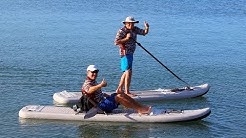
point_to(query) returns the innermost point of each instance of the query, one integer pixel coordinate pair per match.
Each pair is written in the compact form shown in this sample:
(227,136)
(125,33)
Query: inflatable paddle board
(66,97)
(118,115)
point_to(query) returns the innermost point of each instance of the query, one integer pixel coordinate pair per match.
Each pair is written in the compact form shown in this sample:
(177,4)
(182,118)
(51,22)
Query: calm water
(46,46)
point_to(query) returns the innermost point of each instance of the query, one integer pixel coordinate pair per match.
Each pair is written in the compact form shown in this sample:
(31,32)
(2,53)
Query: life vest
(86,101)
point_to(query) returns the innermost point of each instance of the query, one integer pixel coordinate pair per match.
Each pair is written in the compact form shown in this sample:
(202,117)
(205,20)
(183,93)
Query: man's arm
(123,40)
(93,89)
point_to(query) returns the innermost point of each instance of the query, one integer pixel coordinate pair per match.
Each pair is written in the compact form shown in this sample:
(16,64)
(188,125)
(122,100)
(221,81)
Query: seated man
(106,102)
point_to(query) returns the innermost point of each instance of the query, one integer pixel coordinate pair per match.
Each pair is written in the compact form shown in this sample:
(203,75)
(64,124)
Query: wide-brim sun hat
(130,19)
(92,68)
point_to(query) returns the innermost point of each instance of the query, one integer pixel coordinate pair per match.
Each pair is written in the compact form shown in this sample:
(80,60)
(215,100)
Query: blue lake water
(45,47)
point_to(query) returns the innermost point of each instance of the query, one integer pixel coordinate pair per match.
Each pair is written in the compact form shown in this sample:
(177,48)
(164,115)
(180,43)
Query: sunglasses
(95,71)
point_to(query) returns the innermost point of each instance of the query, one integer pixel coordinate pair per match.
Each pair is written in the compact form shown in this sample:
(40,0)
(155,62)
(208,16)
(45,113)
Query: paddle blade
(92,112)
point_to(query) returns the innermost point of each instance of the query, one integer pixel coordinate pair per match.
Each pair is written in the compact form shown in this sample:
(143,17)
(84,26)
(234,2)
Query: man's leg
(122,82)
(128,78)
(124,65)
(128,102)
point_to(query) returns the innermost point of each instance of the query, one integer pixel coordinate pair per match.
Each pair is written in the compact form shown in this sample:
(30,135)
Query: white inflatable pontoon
(65,97)
(118,115)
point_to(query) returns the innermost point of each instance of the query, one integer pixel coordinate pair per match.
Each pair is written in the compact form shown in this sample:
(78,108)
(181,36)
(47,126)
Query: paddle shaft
(93,111)
(160,62)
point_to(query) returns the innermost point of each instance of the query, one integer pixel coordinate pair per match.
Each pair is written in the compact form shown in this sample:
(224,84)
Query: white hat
(92,68)
(130,19)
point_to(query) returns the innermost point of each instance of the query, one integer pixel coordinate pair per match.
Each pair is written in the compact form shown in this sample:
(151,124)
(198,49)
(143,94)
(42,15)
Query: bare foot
(118,91)
(131,94)
(147,110)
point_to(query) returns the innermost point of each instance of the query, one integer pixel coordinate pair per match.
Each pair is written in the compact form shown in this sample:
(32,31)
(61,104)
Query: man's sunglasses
(95,71)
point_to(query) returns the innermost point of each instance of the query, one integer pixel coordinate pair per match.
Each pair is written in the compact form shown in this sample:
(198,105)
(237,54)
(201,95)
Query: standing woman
(125,39)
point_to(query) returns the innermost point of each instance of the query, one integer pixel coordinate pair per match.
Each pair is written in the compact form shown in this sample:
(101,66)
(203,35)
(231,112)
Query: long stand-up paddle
(160,63)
